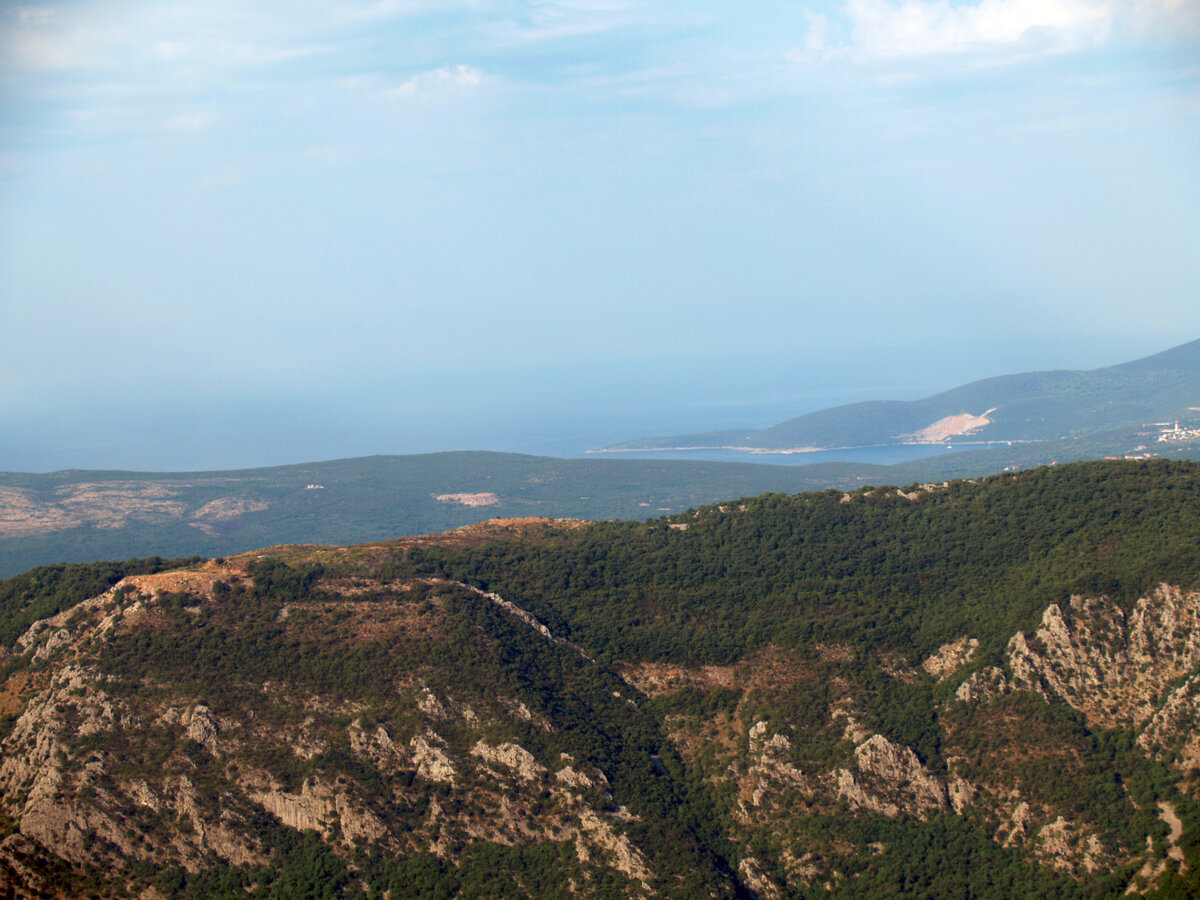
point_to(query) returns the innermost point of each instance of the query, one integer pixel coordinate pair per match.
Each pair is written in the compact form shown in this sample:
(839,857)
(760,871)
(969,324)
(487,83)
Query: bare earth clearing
(112,505)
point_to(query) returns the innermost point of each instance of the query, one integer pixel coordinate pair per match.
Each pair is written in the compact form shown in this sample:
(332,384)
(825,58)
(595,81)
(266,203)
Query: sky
(244,234)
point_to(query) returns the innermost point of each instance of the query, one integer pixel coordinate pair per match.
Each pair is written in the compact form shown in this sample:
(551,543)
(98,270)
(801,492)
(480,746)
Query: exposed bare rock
(429,704)
(1111,667)
(950,657)
(202,729)
(890,780)
(93,808)
(571,778)
(769,768)
(525,616)
(377,746)
(852,730)
(50,635)
(197,583)
(141,794)
(431,759)
(230,845)
(1057,842)
(598,834)
(984,685)
(512,756)
(219,835)
(24,873)
(960,793)
(1175,726)
(806,869)
(300,811)
(1071,848)
(755,876)
(1015,829)
(109,762)
(319,807)
(1154,867)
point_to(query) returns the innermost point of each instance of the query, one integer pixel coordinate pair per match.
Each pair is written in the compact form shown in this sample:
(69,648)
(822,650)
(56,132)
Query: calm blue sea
(883,456)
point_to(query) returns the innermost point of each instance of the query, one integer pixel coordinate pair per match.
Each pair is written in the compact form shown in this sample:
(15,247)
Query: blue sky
(431,225)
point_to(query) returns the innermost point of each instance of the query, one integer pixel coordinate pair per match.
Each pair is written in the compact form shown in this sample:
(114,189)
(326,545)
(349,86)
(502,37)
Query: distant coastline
(713,447)
(793,450)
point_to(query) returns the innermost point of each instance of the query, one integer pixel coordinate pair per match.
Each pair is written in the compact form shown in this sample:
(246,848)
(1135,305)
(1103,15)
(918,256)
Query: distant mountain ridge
(1031,406)
(1049,418)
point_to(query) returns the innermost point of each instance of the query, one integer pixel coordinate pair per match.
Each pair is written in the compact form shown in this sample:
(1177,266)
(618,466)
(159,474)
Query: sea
(883,455)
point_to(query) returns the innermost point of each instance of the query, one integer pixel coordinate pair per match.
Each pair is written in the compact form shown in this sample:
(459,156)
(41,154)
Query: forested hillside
(975,689)
(87,516)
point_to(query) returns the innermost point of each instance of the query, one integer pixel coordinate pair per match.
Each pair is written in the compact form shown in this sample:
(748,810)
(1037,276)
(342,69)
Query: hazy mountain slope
(989,689)
(81,516)
(1033,406)
(84,516)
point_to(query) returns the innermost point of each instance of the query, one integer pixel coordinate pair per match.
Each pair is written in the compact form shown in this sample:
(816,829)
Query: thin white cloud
(394,9)
(551,20)
(914,29)
(990,30)
(439,82)
(382,9)
(817,38)
(220,50)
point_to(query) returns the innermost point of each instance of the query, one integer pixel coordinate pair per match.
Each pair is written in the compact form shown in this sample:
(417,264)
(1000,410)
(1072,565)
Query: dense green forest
(886,569)
(81,516)
(84,516)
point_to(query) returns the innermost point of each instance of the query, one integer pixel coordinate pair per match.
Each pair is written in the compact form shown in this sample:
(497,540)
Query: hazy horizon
(235,236)
(560,412)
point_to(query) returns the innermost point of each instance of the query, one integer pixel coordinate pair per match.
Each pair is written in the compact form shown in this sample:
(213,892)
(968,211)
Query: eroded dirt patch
(654,679)
(223,511)
(22,513)
(10,694)
(485,498)
(112,505)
